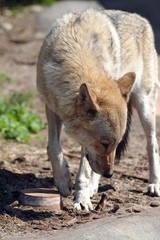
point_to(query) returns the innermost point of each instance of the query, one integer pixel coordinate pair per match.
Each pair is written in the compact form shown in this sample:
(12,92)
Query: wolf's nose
(108,174)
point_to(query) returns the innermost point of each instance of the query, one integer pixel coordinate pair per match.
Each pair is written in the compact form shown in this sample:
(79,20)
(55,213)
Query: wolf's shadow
(10,185)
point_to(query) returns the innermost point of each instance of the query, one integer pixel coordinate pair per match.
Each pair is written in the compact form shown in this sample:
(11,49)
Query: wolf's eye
(91,113)
(105,145)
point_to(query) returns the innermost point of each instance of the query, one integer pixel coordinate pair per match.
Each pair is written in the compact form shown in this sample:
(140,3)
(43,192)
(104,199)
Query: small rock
(19,160)
(37,222)
(39,35)
(135,208)
(155,204)
(36,8)
(7,26)
(114,209)
(1,163)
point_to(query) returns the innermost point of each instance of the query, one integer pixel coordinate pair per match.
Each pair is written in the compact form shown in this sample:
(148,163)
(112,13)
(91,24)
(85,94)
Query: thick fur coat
(91,67)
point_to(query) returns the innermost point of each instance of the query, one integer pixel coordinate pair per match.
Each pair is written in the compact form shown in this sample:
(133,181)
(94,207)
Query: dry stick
(71,155)
(101,203)
(22,62)
(144,179)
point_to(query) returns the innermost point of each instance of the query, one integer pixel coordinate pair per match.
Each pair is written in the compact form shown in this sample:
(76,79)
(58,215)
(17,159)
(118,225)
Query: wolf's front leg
(86,185)
(145,105)
(154,180)
(60,166)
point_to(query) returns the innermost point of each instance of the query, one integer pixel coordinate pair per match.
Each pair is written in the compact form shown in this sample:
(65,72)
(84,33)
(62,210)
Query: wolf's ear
(87,100)
(125,84)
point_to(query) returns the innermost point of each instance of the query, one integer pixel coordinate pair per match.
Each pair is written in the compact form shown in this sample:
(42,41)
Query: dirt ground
(26,165)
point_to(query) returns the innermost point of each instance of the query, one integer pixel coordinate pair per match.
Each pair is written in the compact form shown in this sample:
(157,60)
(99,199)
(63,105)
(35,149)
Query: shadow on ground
(11,183)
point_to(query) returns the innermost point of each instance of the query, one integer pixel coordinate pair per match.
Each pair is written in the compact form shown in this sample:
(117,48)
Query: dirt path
(26,165)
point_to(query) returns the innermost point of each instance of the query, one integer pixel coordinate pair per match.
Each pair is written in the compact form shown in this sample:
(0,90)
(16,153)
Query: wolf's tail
(124,142)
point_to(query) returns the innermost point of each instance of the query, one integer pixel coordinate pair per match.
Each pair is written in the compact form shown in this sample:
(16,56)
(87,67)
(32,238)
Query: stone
(140,226)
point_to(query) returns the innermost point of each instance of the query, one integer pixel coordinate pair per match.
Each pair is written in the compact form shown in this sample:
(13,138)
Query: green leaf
(16,121)
(3,105)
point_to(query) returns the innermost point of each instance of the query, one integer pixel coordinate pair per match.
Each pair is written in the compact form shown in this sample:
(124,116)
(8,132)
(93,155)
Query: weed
(4,77)
(16,120)
(45,2)
(15,3)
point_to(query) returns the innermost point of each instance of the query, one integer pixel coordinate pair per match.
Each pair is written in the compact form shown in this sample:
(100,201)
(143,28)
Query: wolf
(93,68)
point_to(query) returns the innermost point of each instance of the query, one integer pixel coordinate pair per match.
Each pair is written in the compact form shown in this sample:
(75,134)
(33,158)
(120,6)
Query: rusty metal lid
(41,197)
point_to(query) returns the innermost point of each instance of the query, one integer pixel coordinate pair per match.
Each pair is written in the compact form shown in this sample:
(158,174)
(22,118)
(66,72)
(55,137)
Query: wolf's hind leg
(146,108)
(86,185)
(60,167)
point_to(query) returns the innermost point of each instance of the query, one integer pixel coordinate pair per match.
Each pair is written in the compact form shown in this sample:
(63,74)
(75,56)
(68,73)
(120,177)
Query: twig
(144,179)
(130,175)
(24,62)
(71,155)
(101,203)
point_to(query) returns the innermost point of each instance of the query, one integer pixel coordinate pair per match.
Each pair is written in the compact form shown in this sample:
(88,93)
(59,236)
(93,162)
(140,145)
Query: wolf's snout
(107,174)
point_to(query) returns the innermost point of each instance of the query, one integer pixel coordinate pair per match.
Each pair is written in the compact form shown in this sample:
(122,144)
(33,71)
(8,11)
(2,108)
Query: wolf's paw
(83,205)
(83,201)
(64,185)
(154,189)
(62,177)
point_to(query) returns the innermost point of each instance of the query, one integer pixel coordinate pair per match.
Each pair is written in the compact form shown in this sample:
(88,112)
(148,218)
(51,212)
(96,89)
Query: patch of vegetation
(4,77)
(14,3)
(45,2)
(16,120)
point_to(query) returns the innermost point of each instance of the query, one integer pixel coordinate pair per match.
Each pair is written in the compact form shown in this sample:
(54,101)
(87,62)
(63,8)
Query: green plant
(15,3)
(16,120)
(45,2)
(4,77)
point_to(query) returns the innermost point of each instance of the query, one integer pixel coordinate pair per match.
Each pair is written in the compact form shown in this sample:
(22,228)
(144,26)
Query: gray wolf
(93,68)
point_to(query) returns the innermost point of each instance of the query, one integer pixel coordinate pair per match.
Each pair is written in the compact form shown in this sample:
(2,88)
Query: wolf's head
(100,123)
